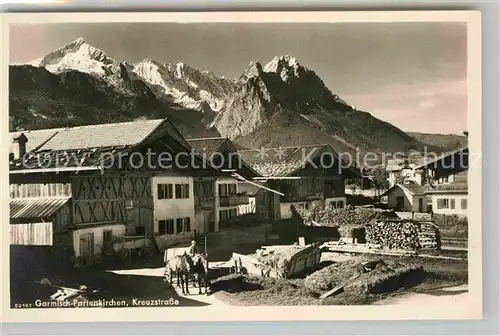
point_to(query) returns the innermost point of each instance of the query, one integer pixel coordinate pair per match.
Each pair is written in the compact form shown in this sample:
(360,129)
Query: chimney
(21,140)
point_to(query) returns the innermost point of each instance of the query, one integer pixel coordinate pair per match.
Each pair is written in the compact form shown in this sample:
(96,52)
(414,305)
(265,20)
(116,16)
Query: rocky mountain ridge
(280,103)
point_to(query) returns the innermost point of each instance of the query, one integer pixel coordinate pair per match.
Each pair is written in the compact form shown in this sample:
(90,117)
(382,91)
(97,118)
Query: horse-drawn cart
(280,261)
(185,267)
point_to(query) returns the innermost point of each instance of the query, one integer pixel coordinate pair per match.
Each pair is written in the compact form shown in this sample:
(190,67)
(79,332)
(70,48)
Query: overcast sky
(412,75)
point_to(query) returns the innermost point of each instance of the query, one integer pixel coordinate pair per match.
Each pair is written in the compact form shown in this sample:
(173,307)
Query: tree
(379,176)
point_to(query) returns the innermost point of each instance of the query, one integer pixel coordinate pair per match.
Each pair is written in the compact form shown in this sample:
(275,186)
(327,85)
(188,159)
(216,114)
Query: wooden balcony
(204,203)
(234,200)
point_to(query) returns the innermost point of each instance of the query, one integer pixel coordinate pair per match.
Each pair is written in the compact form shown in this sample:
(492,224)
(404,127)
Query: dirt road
(449,296)
(158,273)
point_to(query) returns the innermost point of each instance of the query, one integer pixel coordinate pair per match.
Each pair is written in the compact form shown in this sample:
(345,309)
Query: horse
(179,266)
(199,268)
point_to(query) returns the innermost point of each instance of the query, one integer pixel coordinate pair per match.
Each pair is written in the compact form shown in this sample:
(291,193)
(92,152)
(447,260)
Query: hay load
(287,260)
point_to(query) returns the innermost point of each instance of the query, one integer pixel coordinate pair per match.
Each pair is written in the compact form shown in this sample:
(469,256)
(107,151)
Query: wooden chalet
(306,176)
(222,153)
(88,189)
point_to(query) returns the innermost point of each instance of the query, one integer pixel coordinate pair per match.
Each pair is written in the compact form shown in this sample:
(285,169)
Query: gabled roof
(206,145)
(248,189)
(283,161)
(286,161)
(413,188)
(85,146)
(442,157)
(30,208)
(36,138)
(103,135)
(449,188)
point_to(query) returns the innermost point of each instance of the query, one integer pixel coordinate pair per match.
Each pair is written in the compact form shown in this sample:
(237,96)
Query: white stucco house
(407,197)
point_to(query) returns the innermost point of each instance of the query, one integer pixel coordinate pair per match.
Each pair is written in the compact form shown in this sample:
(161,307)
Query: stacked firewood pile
(408,235)
(345,219)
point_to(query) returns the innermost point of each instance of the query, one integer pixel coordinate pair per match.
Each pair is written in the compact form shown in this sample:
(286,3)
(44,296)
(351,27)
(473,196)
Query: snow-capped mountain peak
(279,62)
(253,69)
(76,55)
(285,66)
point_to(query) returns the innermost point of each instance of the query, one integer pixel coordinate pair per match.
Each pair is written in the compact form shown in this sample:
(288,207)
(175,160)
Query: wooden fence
(38,234)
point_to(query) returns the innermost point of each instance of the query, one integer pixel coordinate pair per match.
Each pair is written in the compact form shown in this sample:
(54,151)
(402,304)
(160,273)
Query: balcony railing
(204,203)
(234,200)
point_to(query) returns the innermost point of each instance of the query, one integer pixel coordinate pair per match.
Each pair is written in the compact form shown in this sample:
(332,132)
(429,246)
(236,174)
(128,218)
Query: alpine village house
(86,192)
(306,176)
(434,185)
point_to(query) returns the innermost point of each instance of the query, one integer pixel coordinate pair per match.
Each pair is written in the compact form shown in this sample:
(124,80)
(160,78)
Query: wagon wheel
(125,254)
(147,252)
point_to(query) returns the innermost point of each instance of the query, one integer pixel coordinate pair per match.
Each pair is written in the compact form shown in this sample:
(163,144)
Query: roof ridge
(284,147)
(212,138)
(58,129)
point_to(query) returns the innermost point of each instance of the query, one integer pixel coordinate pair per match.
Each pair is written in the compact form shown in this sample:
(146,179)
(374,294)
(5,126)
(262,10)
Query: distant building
(447,182)
(438,185)
(407,197)
(307,176)
(403,170)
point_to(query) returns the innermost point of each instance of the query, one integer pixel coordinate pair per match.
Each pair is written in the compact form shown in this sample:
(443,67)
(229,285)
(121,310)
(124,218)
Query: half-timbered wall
(28,190)
(114,199)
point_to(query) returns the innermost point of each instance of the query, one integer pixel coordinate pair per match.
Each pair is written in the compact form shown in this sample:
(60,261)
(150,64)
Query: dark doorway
(400,203)
(420,205)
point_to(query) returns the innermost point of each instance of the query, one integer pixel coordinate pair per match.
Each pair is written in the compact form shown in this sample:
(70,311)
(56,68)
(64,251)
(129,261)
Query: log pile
(345,219)
(407,235)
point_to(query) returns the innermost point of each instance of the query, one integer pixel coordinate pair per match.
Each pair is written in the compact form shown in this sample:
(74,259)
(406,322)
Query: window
(182,190)
(452,204)
(228,214)
(107,241)
(443,203)
(140,230)
(227,189)
(129,204)
(166,226)
(463,203)
(337,204)
(183,224)
(165,191)
(107,236)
